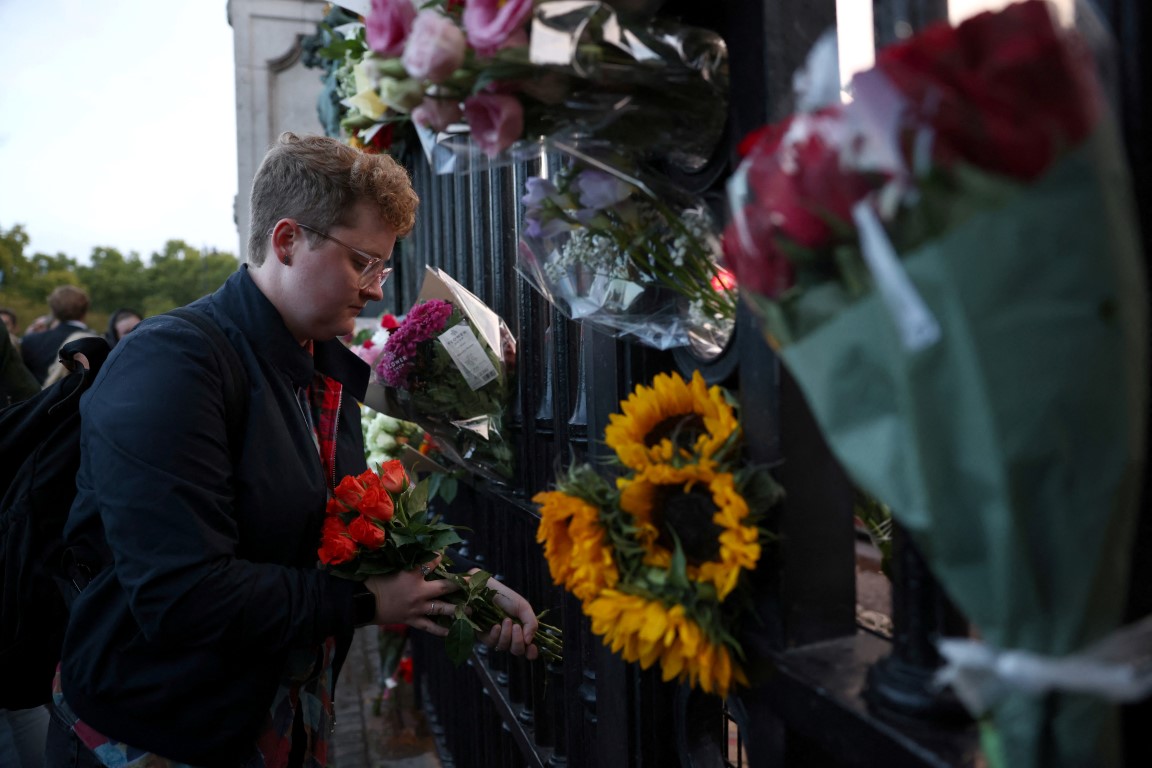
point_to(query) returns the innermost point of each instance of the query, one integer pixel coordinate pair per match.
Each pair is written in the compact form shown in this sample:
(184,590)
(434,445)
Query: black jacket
(179,646)
(40,350)
(16,381)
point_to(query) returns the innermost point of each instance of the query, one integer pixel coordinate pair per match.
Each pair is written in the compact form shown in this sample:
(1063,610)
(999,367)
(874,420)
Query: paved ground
(371,733)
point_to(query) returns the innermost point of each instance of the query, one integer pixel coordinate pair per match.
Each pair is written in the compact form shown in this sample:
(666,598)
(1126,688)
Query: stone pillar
(275,92)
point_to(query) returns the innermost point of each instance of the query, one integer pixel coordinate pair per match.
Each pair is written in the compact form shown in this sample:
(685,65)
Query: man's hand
(407,598)
(508,635)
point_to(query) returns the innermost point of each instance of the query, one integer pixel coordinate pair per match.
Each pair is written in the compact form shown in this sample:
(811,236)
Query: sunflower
(646,631)
(701,509)
(672,419)
(579,557)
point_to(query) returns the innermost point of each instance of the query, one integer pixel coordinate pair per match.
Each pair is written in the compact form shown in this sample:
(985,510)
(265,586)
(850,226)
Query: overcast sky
(117,124)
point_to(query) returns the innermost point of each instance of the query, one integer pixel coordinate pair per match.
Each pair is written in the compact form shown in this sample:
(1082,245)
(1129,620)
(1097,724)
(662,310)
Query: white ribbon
(1117,668)
(915,323)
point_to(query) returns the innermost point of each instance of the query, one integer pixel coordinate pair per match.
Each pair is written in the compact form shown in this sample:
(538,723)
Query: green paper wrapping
(1012,448)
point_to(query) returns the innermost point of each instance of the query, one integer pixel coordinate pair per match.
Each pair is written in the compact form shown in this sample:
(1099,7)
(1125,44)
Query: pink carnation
(423,323)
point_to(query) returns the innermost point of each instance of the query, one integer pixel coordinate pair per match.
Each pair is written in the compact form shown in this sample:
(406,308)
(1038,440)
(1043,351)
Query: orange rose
(377,504)
(335,545)
(366,533)
(392,476)
(350,491)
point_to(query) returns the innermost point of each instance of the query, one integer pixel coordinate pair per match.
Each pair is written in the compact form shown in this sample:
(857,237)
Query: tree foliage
(175,276)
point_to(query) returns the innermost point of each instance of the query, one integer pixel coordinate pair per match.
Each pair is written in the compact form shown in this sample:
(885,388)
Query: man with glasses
(207,634)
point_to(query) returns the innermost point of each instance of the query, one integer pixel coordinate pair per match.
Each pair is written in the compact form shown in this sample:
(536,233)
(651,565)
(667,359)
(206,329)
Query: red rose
(800,182)
(383,138)
(366,533)
(335,507)
(335,545)
(393,477)
(757,261)
(390,322)
(1004,91)
(377,504)
(350,491)
(800,196)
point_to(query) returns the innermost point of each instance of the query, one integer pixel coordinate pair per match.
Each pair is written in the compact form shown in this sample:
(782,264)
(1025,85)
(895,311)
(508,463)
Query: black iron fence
(839,694)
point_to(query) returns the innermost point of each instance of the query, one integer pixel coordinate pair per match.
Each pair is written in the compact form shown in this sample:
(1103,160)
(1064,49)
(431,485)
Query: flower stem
(486,613)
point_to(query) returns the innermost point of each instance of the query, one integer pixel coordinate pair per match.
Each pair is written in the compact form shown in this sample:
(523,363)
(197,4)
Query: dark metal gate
(841,695)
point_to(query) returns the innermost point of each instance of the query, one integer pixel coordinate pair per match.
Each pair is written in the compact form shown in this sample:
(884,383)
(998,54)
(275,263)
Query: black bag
(39,459)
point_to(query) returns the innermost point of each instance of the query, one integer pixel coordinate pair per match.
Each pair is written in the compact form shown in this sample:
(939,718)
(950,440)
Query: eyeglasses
(372,268)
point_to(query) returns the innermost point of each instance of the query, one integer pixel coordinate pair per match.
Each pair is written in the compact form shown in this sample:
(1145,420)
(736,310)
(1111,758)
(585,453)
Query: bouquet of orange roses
(380,523)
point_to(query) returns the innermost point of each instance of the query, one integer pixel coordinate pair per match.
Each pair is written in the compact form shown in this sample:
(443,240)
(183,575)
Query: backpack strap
(235,376)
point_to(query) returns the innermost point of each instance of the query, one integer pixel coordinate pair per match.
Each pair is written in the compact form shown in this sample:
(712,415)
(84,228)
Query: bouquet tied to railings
(484,79)
(661,559)
(379,522)
(949,267)
(612,248)
(448,368)
(387,437)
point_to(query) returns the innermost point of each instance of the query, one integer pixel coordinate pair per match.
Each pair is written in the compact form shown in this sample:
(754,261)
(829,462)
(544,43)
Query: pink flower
(437,113)
(388,24)
(423,322)
(435,47)
(491,24)
(495,121)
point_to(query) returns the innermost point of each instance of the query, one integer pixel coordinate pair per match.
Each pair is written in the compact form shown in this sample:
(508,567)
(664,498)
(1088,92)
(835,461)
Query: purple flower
(423,322)
(387,26)
(600,190)
(491,24)
(539,190)
(534,227)
(435,47)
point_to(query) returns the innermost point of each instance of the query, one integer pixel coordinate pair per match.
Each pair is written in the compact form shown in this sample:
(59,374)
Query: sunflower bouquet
(660,560)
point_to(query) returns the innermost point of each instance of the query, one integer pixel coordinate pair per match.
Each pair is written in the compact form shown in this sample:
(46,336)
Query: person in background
(11,322)
(69,306)
(121,322)
(16,381)
(209,636)
(42,323)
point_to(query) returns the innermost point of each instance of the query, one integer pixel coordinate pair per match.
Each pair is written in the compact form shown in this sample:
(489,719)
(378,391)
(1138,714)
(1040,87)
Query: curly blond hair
(317,180)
